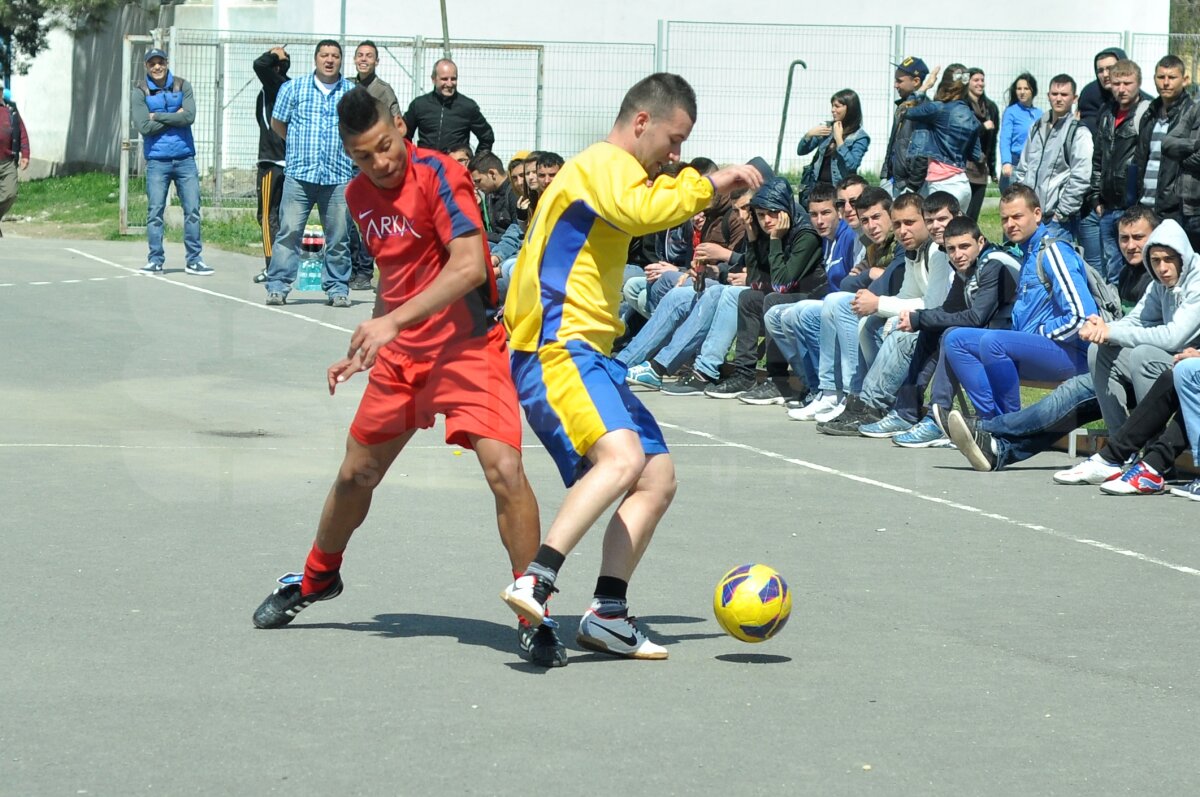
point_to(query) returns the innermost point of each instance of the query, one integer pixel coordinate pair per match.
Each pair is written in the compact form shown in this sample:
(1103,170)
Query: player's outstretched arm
(465,271)
(640,208)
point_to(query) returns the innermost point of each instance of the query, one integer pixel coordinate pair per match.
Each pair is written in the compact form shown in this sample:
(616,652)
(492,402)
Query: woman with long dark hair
(840,143)
(988,115)
(1019,116)
(947,133)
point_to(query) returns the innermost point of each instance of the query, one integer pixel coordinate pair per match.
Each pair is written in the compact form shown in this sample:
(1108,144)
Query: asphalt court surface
(167,445)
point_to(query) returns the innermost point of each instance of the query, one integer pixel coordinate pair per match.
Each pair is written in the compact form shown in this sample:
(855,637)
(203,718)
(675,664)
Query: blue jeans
(721,332)
(1019,435)
(1068,228)
(839,341)
(990,364)
(677,306)
(1113,261)
(888,370)
(1187,386)
(159,175)
(299,197)
(505,278)
(790,325)
(1089,239)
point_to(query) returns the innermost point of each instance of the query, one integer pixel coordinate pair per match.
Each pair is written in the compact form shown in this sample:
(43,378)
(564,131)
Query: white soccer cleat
(618,635)
(1093,470)
(527,597)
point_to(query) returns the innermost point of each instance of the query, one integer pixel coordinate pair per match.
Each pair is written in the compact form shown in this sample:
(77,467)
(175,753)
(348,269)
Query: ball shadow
(753,658)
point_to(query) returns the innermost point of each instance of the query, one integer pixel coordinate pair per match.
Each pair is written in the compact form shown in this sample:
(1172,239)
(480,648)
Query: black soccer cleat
(282,605)
(542,645)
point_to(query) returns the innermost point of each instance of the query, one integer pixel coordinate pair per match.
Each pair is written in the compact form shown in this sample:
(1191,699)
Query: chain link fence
(562,96)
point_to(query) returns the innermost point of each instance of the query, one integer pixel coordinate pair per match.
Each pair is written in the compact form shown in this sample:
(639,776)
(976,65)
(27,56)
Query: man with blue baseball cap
(902,173)
(163,111)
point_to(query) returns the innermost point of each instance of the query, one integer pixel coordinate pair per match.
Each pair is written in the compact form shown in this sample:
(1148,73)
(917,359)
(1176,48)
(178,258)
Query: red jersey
(407,230)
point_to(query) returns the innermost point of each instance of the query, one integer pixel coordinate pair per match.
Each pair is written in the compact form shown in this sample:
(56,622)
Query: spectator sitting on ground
(1057,161)
(1044,343)
(462,155)
(532,189)
(883,351)
(783,261)
(1158,170)
(1129,354)
(995,443)
(444,119)
(500,200)
(902,171)
(980,172)
(683,321)
(881,269)
(982,295)
(1157,428)
(1113,185)
(547,166)
(1019,117)
(947,135)
(840,144)
(783,322)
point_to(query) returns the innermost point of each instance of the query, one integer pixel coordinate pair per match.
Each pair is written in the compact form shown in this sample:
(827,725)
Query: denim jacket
(945,131)
(845,161)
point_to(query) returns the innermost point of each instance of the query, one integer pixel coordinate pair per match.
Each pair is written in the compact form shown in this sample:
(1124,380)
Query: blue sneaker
(643,375)
(198,269)
(891,425)
(925,434)
(1191,491)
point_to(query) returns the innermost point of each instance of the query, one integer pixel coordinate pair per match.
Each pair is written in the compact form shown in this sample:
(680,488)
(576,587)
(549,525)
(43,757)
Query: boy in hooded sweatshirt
(1131,353)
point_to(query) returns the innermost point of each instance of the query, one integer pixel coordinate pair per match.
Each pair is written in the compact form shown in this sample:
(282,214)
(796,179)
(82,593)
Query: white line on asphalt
(1191,571)
(1141,557)
(41,283)
(122,446)
(207,292)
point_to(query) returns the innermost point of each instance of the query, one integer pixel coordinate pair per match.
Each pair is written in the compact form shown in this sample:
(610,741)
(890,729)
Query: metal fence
(562,96)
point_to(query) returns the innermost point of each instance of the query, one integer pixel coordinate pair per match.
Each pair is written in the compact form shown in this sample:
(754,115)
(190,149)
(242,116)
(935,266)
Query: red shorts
(471,385)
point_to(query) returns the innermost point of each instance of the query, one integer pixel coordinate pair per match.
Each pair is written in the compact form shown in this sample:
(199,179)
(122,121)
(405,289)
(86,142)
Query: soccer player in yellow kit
(562,319)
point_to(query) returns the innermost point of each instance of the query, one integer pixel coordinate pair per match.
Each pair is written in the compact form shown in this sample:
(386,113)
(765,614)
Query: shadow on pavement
(753,658)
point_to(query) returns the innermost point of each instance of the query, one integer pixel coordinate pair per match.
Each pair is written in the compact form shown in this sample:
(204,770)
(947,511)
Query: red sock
(319,570)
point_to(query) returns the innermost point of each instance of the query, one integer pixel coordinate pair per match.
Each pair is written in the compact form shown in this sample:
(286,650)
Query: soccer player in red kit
(432,346)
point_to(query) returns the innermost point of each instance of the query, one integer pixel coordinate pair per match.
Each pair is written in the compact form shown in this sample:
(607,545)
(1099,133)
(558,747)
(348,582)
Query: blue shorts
(572,396)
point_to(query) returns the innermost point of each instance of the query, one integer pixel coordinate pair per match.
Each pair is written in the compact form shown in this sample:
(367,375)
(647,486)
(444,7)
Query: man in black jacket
(900,172)
(1114,184)
(444,119)
(499,200)
(1157,170)
(271,68)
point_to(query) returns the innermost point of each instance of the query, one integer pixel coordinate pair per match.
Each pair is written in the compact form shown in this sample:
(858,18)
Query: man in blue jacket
(163,111)
(1044,341)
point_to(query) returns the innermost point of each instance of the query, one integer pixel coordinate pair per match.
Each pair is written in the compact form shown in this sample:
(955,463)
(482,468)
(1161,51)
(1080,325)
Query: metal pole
(342,29)
(126,144)
(445,32)
(787,98)
(541,105)
(219,130)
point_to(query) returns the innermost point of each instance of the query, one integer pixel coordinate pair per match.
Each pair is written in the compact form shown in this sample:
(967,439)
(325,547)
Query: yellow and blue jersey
(566,285)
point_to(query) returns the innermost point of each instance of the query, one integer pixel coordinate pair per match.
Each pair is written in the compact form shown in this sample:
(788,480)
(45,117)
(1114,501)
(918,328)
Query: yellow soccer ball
(752,602)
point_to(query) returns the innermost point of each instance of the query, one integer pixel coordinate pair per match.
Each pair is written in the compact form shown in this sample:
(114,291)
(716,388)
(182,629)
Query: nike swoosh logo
(630,640)
(364,214)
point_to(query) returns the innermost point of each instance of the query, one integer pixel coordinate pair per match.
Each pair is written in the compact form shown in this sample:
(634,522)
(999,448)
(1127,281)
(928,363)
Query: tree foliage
(24,25)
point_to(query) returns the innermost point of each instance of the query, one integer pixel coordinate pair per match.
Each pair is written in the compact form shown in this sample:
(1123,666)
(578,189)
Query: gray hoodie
(1168,318)
(1057,164)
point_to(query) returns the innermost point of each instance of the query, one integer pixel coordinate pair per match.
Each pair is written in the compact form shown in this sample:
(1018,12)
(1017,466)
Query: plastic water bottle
(312,259)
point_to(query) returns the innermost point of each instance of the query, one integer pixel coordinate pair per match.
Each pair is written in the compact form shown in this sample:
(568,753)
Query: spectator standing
(1057,161)
(163,111)
(444,119)
(14,151)
(947,136)
(980,172)
(366,60)
(840,144)
(1019,117)
(1097,95)
(318,170)
(1159,173)
(902,172)
(1114,168)
(271,68)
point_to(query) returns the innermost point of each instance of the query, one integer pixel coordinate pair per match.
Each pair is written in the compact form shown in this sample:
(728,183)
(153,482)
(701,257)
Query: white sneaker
(619,636)
(1093,470)
(832,412)
(522,597)
(823,401)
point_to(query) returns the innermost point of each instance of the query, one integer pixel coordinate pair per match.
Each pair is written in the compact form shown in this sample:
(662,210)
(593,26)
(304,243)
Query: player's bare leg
(362,469)
(632,525)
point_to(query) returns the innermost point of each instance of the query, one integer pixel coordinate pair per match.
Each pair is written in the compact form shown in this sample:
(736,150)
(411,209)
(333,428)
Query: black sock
(609,588)
(659,370)
(549,559)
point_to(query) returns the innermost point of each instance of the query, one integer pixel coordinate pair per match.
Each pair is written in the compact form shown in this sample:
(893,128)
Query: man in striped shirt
(1159,173)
